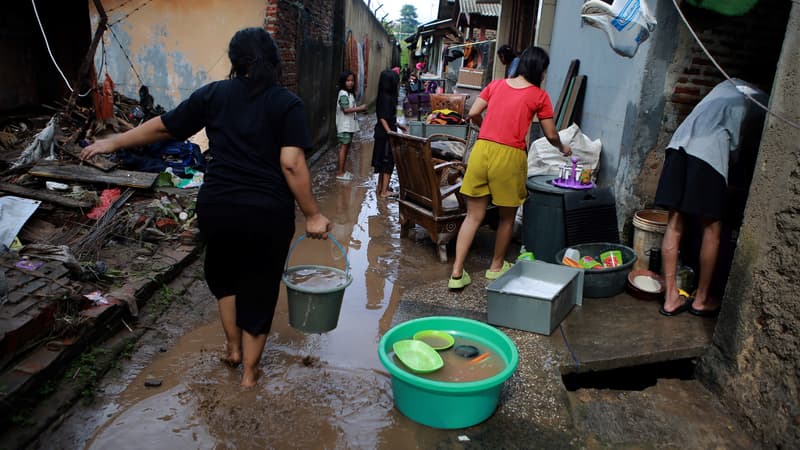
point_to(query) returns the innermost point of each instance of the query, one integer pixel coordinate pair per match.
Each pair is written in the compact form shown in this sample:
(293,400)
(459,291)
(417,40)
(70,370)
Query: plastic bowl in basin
(442,404)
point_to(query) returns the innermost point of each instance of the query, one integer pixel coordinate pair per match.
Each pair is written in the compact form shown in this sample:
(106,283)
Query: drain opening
(634,378)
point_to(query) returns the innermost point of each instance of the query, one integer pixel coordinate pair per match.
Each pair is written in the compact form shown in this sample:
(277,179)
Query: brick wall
(746,47)
(313,20)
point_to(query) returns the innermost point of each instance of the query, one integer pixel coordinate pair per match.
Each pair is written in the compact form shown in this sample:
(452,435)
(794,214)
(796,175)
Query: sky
(426,9)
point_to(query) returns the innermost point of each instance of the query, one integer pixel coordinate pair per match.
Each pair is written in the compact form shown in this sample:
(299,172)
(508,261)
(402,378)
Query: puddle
(317,391)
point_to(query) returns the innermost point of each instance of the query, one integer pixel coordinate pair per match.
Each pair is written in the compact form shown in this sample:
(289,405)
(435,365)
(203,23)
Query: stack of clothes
(444,117)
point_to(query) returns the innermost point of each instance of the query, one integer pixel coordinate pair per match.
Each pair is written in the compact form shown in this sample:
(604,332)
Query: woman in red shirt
(497,167)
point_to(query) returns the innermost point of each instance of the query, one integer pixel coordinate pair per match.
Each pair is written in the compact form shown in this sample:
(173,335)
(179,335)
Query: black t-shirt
(245,136)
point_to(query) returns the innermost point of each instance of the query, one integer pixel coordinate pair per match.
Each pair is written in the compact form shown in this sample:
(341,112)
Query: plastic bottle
(525,255)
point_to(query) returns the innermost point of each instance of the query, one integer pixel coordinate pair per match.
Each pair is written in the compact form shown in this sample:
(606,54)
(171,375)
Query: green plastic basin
(448,405)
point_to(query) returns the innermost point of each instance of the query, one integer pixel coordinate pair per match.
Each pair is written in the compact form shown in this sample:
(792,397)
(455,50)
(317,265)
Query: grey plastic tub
(534,296)
(603,282)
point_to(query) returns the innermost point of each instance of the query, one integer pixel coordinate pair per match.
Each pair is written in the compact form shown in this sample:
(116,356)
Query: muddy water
(317,391)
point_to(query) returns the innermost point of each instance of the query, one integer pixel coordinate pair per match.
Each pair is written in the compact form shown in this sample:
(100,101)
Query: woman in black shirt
(257,135)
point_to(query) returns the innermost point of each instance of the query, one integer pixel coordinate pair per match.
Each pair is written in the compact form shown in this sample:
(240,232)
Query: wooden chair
(456,102)
(429,194)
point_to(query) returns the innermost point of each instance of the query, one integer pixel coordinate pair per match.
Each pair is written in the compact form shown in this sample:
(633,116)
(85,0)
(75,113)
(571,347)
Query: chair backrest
(418,181)
(456,102)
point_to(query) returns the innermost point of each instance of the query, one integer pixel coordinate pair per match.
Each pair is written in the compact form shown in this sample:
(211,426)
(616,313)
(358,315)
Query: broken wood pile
(73,231)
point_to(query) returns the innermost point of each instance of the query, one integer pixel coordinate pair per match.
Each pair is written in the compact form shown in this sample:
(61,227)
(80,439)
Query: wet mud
(316,391)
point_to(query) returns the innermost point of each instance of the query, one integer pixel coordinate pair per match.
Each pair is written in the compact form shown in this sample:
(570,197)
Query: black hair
(254,56)
(506,54)
(388,85)
(533,64)
(343,80)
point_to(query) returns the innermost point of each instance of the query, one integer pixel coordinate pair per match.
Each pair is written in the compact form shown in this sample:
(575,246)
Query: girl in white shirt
(346,123)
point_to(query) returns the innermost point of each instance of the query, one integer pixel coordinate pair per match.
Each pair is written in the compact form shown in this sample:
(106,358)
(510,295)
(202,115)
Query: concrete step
(622,331)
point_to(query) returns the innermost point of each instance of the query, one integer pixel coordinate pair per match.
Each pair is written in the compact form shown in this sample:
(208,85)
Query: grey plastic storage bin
(422,129)
(534,296)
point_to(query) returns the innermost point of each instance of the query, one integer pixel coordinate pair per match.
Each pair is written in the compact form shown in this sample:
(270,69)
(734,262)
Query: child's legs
(476,211)
(344,140)
(507,174)
(343,148)
(504,231)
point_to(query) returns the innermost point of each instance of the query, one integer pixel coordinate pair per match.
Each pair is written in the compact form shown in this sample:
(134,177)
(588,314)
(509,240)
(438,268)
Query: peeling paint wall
(175,46)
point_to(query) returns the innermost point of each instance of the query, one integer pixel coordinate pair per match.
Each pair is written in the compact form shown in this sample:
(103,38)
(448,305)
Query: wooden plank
(44,196)
(101,162)
(571,72)
(575,96)
(560,116)
(74,172)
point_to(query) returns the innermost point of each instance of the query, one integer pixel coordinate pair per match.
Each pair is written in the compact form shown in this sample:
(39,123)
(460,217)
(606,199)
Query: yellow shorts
(497,170)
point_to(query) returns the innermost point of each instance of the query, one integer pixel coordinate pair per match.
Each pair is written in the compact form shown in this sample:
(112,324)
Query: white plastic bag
(544,159)
(627,23)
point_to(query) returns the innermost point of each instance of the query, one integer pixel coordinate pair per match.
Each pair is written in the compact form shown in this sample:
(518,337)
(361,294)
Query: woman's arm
(151,131)
(550,132)
(355,109)
(295,170)
(386,127)
(476,111)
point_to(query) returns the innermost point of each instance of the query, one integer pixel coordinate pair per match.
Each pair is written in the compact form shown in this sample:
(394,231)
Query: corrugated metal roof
(482,7)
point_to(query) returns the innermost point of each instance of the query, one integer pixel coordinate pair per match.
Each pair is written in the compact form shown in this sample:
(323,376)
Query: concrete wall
(624,98)
(360,21)
(175,46)
(754,364)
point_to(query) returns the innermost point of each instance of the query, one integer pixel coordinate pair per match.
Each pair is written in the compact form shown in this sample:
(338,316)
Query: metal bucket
(315,310)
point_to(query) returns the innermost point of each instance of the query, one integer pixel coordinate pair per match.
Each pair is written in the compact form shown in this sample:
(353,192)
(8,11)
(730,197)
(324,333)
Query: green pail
(312,309)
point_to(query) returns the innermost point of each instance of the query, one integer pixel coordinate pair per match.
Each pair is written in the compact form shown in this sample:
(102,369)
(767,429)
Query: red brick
(685,99)
(687,90)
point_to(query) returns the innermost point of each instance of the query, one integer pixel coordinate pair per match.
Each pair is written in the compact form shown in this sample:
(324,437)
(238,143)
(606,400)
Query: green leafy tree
(408,19)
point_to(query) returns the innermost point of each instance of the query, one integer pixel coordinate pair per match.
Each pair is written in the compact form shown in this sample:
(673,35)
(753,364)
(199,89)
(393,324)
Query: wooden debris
(101,162)
(44,196)
(74,172)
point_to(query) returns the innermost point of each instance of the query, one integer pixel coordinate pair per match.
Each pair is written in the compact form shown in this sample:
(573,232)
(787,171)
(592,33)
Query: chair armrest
(455,164)
(451,189)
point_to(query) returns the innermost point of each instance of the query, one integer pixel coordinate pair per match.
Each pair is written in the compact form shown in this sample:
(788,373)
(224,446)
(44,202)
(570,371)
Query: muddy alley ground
(330,391)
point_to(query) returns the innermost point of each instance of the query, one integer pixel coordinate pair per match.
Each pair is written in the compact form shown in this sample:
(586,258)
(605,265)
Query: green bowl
(439,340)
(441,404)
(417,356)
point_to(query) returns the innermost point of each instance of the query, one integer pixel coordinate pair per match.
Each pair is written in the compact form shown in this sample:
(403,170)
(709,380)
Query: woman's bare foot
(250,377)
(706,304)
(233,358)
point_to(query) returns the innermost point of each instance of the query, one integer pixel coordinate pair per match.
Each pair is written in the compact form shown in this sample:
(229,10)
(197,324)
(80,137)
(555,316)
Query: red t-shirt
(510,112)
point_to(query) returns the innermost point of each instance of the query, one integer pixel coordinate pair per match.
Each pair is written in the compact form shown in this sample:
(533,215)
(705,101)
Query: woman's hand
(318,226)
(565,150)
(99,147)
(403,127)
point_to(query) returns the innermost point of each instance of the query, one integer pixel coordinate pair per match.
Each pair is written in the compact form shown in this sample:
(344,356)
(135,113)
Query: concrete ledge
(621,331)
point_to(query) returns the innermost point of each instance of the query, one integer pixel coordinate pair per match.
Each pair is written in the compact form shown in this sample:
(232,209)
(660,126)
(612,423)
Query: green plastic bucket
(315,310)
(448,405)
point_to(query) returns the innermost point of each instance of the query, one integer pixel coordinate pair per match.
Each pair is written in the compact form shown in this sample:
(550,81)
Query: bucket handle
(333,239)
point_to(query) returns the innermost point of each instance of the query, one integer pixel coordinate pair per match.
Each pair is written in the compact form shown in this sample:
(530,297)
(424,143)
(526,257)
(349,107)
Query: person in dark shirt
(386,112)
(257,135)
